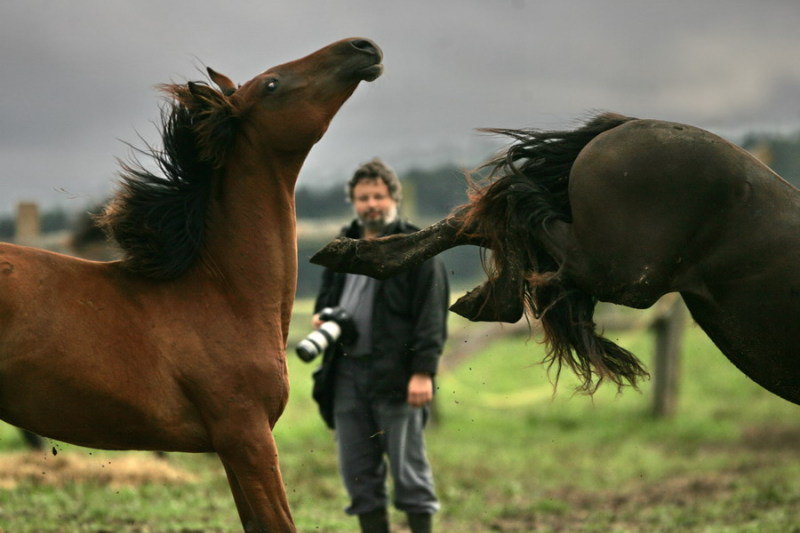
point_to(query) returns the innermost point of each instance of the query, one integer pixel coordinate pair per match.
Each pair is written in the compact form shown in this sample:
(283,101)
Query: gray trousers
(366,431)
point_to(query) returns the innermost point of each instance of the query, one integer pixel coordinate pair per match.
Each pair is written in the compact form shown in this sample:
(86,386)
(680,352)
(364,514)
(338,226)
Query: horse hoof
(336,255)
(353,256)
(478,306)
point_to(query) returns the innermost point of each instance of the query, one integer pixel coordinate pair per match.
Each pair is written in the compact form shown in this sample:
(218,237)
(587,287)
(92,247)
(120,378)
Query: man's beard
(377,225)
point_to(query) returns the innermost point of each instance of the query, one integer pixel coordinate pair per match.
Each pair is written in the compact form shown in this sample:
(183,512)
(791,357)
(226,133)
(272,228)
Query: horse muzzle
(370,53)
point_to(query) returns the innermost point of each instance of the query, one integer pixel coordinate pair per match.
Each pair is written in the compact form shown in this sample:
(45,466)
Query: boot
(376,521)
(420,522)
(34,441)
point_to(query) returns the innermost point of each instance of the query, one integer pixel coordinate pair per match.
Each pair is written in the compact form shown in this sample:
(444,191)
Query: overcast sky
(77,77)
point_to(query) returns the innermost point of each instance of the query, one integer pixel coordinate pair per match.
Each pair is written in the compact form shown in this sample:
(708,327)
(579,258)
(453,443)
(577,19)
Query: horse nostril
(366,45)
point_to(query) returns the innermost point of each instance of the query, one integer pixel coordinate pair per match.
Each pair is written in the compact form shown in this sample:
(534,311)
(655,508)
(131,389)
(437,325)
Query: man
(374,391)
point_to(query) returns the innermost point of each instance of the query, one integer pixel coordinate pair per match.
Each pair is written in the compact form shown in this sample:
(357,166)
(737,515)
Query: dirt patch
(772,438)
(570,509)
(681,491)
(114,471)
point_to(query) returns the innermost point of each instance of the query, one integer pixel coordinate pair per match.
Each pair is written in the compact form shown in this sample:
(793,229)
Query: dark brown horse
(625,210)
(181,345)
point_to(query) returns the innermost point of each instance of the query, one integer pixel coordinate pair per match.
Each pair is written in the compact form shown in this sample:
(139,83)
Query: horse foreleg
(384,257)
(254,476)
(242,506)
(498,300)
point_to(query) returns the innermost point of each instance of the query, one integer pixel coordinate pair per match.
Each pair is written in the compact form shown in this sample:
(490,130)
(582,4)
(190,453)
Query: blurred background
(698,448)
(78,86)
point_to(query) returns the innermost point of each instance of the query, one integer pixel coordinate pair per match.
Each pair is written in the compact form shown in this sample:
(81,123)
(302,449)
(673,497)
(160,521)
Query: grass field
(508,456)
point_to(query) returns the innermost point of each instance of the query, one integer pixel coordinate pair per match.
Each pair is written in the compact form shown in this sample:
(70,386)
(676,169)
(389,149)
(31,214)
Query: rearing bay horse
(181,345)
(625,210)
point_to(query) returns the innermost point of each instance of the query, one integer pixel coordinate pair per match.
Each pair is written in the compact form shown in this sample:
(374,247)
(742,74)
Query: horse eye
(271,85)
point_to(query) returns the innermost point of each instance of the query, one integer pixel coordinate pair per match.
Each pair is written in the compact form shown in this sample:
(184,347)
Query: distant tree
(429,193)
(437,191)
(321,203)
(7,227)
(781,152)
(55,219)
(85,230)
(52,219)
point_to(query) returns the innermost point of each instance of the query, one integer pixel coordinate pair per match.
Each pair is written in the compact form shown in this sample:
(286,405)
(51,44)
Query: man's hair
(376,170)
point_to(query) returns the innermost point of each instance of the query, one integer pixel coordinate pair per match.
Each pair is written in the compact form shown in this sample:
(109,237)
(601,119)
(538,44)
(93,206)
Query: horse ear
(222,81)
(214,118)
(203,91)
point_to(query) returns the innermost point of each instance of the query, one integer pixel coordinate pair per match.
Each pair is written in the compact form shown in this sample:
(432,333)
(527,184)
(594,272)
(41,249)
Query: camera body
(336,325)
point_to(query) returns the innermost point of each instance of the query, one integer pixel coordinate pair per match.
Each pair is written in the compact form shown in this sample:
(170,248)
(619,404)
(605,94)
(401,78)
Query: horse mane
(527,186)
(159,221)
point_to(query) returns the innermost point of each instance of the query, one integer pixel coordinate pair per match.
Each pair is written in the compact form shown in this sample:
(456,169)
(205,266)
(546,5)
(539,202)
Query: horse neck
(251,241)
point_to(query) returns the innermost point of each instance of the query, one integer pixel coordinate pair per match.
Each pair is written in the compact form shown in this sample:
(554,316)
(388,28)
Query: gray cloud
(78,77)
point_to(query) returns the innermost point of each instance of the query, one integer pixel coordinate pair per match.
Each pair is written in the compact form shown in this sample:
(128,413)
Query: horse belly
(89,407)
(90,383)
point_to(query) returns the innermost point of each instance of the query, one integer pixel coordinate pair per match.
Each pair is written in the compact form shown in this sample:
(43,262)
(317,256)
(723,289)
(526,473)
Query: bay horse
(180,346)
(624,210)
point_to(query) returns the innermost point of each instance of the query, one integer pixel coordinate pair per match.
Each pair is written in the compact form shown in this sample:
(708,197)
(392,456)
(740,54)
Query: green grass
(508,455)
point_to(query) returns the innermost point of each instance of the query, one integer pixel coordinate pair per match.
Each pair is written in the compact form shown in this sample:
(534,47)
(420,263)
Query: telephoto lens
(317,341)
(335,323)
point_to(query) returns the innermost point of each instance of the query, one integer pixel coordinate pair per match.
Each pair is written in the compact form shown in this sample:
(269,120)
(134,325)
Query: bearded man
(374,390)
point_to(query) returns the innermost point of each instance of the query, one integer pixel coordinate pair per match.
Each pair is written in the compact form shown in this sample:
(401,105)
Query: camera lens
(306,350)
(317,341)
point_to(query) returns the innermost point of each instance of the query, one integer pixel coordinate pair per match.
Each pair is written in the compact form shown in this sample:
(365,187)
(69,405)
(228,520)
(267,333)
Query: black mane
(159,221)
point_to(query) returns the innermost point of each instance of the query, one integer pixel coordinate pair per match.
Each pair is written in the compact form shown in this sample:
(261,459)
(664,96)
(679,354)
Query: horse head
(287,108)
(269,122)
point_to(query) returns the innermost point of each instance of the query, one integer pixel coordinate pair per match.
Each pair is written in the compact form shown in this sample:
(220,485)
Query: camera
(336,324)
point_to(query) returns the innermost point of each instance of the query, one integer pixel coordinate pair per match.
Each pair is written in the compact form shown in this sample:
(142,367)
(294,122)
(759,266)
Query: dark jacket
(409,326)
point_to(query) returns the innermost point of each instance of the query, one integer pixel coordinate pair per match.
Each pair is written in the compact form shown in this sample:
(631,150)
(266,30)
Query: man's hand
(315,321)
(420,390)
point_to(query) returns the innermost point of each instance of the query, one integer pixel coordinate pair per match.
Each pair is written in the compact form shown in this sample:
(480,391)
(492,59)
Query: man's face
(373,205)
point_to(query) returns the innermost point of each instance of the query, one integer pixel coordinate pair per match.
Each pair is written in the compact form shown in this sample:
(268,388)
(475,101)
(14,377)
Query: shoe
(376,521)
(420,522)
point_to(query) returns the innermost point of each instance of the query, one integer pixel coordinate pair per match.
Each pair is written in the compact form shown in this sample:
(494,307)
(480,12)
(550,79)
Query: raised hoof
(336,255)
(482,304)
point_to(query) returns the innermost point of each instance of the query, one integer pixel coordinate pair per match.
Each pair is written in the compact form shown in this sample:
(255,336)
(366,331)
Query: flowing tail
(527,187)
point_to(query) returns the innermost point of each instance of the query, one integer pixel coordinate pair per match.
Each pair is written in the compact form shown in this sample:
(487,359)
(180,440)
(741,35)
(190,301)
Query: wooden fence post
(668,329)
(28,227)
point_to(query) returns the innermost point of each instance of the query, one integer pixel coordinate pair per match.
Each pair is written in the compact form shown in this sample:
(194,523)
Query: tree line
(430,193)
(780,151)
